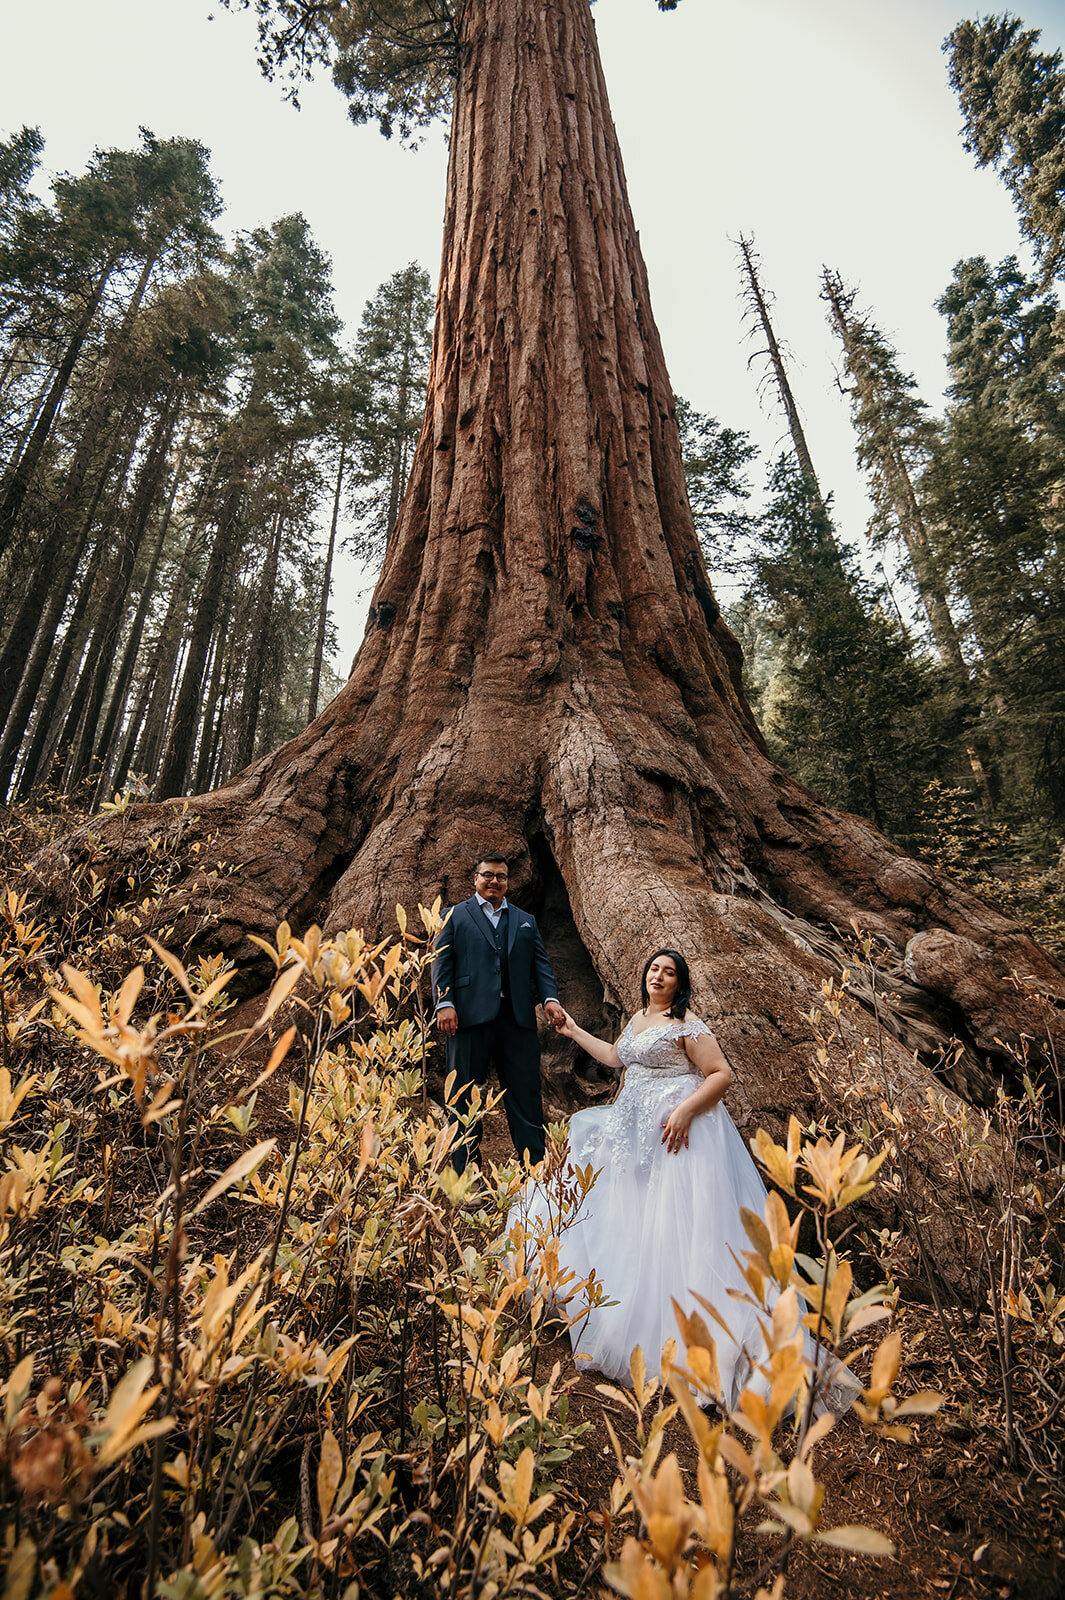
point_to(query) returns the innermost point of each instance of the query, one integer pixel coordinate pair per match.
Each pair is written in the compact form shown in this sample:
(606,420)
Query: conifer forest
(260,1335)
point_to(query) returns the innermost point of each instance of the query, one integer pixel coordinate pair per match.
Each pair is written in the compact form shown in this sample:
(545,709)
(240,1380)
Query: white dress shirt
(493,913)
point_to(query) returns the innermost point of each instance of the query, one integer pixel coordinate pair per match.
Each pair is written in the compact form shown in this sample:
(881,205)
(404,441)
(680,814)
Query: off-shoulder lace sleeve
(693,1028)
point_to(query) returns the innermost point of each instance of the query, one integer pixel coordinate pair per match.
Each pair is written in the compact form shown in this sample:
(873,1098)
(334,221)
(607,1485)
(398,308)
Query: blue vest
(501,947)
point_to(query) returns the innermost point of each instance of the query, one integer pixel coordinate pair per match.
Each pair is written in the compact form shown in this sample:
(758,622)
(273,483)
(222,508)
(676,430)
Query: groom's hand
(447,1020)
(555,1014)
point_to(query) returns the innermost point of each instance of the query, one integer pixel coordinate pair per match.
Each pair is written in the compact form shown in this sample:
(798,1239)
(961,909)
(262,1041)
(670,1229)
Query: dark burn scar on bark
(710,608)
(384,614)
(616,609)
(467,417)
(584,537)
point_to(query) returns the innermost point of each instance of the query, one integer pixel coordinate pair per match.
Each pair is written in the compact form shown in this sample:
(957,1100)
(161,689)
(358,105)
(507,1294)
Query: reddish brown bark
(545,669)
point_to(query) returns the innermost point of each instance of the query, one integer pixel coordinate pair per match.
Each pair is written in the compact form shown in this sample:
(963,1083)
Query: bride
(663,1216)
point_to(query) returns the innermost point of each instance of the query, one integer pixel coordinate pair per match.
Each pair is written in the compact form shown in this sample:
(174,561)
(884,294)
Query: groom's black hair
(495,856)
(683,996)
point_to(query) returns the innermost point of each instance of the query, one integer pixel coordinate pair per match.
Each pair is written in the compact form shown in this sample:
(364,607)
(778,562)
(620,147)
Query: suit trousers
(516,1053)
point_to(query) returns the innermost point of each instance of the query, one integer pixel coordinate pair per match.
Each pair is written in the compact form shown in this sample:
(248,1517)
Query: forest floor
(963,1521)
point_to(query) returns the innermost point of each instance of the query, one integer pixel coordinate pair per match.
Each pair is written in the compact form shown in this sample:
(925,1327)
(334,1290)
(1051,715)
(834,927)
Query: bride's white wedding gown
(658,1225)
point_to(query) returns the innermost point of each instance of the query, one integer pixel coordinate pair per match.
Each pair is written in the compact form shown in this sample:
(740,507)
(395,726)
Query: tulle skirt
(656,1226)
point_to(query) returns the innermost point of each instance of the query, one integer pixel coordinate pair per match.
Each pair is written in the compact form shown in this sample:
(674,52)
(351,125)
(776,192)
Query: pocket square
(526,924)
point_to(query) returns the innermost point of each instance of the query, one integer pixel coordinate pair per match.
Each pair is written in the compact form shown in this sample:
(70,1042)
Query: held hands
(447,1020)
(675,1129)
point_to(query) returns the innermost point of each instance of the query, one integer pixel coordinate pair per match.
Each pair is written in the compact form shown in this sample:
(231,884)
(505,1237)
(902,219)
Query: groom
(490,970)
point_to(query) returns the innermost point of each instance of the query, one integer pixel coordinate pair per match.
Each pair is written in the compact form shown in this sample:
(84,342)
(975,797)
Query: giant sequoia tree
(545,666)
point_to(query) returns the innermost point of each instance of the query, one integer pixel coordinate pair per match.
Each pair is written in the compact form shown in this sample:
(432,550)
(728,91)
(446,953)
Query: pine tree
(994,498)
(849,709)
(1013,99)
(894,435)
(715,461)
(391,366)
(285,330)
(758,311)
(1004,345)
(995,487)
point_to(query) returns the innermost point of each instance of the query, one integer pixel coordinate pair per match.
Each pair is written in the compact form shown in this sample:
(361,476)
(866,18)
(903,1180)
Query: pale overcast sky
(825,128)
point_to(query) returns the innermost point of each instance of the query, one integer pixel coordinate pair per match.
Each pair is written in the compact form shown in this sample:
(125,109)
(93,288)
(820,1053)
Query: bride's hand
(566,1026)
(675,1129)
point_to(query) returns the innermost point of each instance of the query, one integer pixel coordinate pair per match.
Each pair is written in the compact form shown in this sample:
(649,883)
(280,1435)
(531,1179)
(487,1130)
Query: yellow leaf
(866,1317)
(736,1456)
(817,1431)
(212,989)
(17,1387)
(21,1568)
(172,963)
(793,1516)
(265,946)
(129,1402)
(277,1055)
(803,1488)
(10,1100)
(921,1404)
(238,1169)
(757,1233)
(852,1537)
(885,1367)
(283,987)
(330,1472)
(127,995)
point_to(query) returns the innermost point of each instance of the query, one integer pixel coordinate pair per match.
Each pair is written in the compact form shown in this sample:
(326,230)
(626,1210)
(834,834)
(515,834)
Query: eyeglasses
(494,877)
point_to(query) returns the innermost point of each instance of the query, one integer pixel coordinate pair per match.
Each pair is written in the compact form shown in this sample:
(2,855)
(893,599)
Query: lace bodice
(658,1049)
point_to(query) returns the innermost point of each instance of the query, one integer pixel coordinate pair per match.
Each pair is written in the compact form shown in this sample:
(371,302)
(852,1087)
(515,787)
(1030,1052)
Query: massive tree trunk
(545,670)
(323,603)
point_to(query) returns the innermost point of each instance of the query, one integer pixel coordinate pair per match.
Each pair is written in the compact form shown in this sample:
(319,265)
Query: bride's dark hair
(682,995)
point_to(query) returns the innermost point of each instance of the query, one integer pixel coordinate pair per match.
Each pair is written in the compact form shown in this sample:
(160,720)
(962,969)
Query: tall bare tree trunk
(120,694)
(22,474)
(107,622)
(182,732)
(545,669)
(19,640)
(29,700)
(758,307)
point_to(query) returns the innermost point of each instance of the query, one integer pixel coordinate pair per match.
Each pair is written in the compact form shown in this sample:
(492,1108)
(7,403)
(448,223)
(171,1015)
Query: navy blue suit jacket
(466,971)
